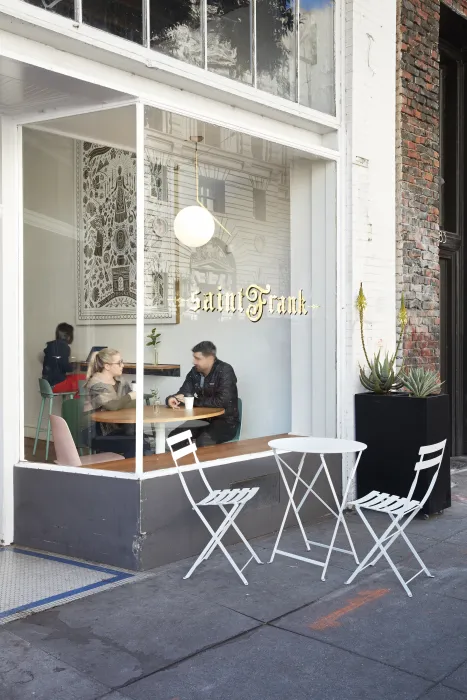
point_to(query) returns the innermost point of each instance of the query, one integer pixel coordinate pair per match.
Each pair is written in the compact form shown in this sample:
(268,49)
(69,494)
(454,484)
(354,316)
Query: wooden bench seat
(205,454)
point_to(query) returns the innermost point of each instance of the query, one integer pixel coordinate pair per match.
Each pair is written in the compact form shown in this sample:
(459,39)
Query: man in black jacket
(213,384)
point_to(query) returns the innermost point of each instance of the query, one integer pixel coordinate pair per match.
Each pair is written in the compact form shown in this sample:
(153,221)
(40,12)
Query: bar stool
(47,397)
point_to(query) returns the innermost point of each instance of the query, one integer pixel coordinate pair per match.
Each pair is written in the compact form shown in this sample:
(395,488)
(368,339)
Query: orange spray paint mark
(364,597)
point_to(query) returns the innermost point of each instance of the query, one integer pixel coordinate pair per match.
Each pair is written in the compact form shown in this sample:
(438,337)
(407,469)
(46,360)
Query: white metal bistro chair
(398,508)
(236,498)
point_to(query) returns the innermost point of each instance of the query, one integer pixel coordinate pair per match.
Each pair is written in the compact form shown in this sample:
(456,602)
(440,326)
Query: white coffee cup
(189,401)
(133,386)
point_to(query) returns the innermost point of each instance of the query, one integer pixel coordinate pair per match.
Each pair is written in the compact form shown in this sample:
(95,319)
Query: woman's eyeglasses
(117,363)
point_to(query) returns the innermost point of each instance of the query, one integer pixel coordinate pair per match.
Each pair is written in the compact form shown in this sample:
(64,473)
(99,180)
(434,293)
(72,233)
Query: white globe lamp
(194,226)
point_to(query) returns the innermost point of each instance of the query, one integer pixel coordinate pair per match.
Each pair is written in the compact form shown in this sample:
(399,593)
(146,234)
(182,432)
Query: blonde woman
(108,391)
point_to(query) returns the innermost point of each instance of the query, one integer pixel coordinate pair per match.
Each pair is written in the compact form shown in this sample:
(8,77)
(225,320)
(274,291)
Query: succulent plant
(421,382)
(382,377)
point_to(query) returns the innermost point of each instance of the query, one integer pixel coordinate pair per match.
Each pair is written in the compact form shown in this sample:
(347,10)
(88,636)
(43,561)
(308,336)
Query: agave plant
(421,382)
(382,377)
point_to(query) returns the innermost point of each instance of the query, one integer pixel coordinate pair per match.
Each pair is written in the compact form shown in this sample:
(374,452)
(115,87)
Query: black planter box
(394,427)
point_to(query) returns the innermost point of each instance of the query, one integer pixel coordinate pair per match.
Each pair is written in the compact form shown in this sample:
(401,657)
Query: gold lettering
(208,302)
(302,303)
(196,302)
(240,300)
(292,305)
(255,295)
(281,305)
(219,299)
(230,302)
(271,299)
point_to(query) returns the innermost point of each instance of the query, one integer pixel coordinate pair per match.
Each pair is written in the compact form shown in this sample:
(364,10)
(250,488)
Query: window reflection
(229,38)
(317,55)
(123,18)
(60,7)
(175,29)
(275,47)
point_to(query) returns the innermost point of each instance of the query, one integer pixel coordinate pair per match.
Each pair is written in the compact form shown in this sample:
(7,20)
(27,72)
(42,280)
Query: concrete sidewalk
(286,636)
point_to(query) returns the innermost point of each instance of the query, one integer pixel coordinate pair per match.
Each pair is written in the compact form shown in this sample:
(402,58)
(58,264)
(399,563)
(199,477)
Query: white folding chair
(237,498)
(398,508)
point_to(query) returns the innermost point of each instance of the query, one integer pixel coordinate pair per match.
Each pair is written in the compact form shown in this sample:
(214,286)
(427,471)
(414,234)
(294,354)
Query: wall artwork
(106,250)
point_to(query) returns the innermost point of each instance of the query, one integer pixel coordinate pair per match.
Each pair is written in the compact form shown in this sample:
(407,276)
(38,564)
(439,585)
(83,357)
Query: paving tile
(130,631)
(273,664)
(438,527)
(292,541)
(448,564)
(387,625)
(27,673)
(273,590)
(441,692)
(458,679)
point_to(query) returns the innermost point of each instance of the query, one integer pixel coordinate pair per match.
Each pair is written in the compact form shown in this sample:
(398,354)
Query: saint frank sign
(254,301)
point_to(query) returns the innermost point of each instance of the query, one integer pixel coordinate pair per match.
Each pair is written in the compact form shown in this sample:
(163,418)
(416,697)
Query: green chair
(72,413)
(236,438)
(47,398)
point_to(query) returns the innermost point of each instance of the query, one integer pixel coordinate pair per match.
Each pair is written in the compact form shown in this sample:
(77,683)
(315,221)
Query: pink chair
(65,448)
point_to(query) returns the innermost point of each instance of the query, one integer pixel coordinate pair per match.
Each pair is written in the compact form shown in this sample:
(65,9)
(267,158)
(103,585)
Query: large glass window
(209,257)
(80,292)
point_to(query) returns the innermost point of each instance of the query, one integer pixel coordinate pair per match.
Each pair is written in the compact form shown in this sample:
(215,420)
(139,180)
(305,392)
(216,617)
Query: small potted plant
(401,410)
(153,341)
(155,400)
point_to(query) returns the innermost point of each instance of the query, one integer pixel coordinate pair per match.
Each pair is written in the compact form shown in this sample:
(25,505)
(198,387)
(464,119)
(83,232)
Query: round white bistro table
(321,447)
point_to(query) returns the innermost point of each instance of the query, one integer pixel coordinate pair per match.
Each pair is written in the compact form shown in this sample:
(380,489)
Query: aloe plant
(381,377)
(421,382)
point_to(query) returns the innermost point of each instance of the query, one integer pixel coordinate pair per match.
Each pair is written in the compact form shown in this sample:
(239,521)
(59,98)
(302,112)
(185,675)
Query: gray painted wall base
(139,525)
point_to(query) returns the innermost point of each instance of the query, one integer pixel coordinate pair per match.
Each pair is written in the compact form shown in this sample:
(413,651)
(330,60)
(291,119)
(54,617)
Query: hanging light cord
(197,193)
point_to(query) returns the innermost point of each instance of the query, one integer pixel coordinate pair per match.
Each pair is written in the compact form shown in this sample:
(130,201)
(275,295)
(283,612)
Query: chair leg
(379,545)
(216,541)
(39,425)
(48,431)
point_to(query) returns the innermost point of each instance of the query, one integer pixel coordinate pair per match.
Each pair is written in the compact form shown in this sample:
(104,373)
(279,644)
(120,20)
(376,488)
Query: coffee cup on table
(189,401)
(133,386)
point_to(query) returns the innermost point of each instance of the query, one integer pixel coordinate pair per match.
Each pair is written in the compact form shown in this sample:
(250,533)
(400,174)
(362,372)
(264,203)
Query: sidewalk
(286,636)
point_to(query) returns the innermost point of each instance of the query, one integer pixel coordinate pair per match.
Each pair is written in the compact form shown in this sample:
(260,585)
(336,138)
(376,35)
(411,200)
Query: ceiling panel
(26,89)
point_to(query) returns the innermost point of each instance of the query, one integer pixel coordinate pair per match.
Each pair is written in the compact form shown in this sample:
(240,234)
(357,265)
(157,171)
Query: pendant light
(194,225)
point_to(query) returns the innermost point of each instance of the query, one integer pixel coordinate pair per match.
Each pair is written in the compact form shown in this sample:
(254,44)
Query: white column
(368,243)
(11,330)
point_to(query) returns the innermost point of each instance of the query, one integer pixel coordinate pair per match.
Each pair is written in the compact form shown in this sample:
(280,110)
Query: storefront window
(231,251)
(61,7)
(80,294)
(120,17)
(275,47)
(316,67)
(175,27)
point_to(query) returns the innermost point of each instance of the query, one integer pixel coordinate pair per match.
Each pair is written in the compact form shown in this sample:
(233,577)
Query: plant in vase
(153,341)
(155,400)
(394,426)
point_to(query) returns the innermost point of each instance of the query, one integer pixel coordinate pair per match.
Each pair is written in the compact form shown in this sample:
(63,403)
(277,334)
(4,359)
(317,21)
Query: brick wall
(417,159)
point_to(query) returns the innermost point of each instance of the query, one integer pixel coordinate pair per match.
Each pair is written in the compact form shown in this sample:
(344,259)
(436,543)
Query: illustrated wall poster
(106,248)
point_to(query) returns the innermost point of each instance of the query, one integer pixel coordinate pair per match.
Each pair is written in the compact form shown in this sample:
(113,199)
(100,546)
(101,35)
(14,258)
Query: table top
(165,415)
(317,445)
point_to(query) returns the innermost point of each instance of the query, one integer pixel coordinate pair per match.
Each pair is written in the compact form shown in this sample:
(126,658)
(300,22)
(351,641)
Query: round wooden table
(159,420)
